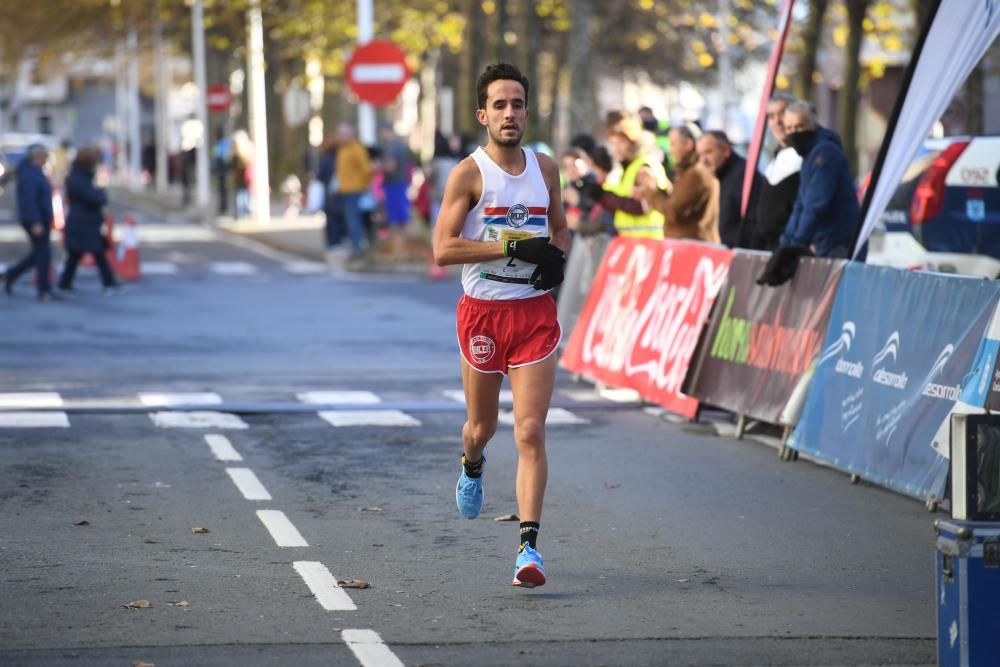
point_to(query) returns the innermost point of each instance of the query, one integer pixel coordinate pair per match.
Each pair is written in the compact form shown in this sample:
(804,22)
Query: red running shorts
(495,336)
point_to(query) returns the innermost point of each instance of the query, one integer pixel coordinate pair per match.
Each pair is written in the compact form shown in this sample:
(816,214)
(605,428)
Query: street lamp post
(258,114)
(366,113)
(201,150)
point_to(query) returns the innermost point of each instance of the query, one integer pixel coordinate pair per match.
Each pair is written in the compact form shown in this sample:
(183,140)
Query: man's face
(506,112)
(775,120)
(795,121)
(681,147)
(41,157)
(712,153)
(620,147)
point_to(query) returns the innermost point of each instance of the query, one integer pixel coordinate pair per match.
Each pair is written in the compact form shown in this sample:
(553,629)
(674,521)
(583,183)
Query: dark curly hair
(499,72)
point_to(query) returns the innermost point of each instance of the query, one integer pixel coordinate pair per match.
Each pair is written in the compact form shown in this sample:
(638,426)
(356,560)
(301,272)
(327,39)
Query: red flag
(753,155)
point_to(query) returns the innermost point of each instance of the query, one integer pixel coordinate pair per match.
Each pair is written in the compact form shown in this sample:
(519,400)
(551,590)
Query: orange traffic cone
(126,261)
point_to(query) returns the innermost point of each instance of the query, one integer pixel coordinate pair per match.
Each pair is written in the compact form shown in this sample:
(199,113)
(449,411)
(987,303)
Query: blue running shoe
(528,570)
(469,493)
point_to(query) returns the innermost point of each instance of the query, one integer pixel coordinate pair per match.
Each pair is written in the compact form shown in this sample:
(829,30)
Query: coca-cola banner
(762,339)
(647,307)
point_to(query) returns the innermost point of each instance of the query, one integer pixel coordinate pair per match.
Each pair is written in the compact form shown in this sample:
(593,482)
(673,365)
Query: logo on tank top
(482,349)
(517,215)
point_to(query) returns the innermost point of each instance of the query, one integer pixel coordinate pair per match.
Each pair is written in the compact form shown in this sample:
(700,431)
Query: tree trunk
(849,97)
(528,47)
(583,109)
(922,8)
(469,68)
(502,51)
(811,37)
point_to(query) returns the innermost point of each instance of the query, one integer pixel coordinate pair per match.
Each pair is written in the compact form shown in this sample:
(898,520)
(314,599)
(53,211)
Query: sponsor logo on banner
(942,391)
(645,313)
(888,353)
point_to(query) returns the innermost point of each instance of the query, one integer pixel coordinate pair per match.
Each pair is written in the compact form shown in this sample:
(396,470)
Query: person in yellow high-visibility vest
(632,217)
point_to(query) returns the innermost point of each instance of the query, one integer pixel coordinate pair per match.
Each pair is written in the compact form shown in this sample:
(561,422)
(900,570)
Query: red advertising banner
(646,310)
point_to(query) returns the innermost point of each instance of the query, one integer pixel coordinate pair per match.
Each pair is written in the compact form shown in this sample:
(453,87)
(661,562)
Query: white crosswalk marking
(607,394)
(368,418)
(222,448)
(34,420)
(233,268)
(506,396)
(304,268)
(160,268)
(173,400)
(324,586)
(369,649)
(338,397)
(556,417)
(37,399)
(205,419)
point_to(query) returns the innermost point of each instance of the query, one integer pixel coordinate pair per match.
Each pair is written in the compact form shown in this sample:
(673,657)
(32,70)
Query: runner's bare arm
(461,194)
(558,229)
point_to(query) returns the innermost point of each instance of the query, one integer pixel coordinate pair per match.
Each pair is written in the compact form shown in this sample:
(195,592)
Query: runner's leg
(482,402)
(532,386)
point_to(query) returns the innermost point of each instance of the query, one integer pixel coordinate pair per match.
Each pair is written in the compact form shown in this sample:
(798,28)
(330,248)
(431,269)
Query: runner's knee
(529,433)
(482,431)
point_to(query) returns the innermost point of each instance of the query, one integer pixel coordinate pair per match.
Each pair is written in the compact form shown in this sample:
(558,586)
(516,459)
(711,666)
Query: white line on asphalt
(556,417)
(506,395)
(222,448)
(324,586)
(197,420)
(304,268)
(172,400)
(339,397)
(608,394)
(233,268)
(34,420)
(369,418)
(37,399)
(369,649)
(248,484)
(284,533)
(160,268)
(171,233)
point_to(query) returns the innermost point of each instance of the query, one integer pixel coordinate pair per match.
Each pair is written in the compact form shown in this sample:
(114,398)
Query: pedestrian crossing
(339,408)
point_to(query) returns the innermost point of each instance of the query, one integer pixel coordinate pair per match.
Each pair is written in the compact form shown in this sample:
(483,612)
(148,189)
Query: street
(664,544)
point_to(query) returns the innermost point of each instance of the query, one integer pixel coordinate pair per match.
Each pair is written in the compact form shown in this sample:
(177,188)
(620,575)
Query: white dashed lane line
(38,399)
(338,397)
(304,268)
(248,484)
(324,586)
(506,396)
(34,420)
(285,534)
(233,268)
(222,448)
(219,420)
(172,400)
(368,418)
(369,649)
(160,268)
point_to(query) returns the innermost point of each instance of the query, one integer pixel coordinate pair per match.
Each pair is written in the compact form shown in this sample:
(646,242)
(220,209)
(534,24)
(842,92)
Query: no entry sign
(377,72)
(218,98)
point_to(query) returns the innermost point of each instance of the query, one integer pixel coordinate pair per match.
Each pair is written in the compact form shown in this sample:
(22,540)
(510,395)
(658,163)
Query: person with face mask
(780,184)
(826,207)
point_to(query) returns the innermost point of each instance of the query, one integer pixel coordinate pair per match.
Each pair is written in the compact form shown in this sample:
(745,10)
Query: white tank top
(511,208)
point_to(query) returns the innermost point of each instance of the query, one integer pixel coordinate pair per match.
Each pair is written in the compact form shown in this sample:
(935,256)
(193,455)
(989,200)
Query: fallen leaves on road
(609,485)
(369,509)
(352,583)
(199,529)
(138,604)
(82,523)
(142,663)
(507,517)
(178,603)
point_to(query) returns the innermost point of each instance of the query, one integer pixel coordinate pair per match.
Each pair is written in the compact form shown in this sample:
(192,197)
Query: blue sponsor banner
(901,351)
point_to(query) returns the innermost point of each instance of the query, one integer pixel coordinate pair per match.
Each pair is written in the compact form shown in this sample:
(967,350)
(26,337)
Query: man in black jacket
(716,154)
(781,178)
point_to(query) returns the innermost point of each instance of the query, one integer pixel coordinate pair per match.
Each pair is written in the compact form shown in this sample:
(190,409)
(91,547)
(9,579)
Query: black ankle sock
(529,533)
(472,469)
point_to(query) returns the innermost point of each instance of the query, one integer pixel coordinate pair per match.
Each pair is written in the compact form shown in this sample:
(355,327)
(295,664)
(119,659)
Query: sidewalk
(302,235)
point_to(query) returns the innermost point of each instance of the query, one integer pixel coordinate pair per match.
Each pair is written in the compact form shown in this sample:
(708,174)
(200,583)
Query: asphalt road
(663,545)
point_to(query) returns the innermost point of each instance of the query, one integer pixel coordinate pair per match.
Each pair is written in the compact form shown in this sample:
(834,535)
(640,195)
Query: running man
(501,207)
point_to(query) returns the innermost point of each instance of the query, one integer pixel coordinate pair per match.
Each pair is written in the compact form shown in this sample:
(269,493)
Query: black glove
(546,278)
(535,251)
(781,267)
(590,189)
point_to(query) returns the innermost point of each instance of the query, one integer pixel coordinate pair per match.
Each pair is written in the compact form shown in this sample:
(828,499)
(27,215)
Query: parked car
(945,214)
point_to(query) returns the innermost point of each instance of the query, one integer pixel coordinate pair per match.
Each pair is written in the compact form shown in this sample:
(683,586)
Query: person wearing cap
(691,207)
(34,211)
(632,216)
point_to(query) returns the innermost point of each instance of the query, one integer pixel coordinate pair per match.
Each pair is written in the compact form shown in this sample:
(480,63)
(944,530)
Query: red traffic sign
(217,98)
(377,72)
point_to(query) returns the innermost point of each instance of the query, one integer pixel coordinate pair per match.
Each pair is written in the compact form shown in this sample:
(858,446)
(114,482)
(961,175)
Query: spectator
(826,207)
(447,154)
(222,164)
(661,129)
(691,208)
(34,211)
(326,174)
(84,222)
(781,178)
(632,216)
(716,153)
(396,169)
(354,178)
(242,166)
